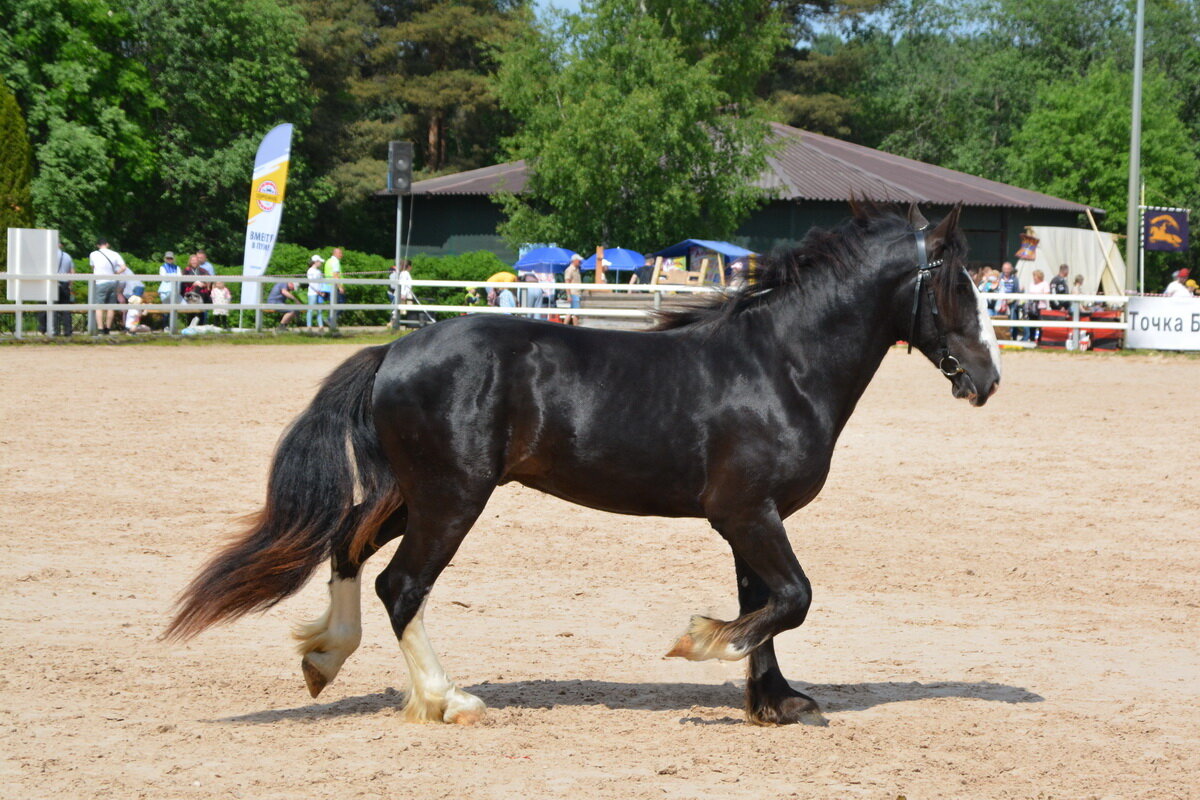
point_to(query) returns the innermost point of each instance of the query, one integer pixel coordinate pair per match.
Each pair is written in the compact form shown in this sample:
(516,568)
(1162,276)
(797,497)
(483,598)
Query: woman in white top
(1034,308)
(316,276)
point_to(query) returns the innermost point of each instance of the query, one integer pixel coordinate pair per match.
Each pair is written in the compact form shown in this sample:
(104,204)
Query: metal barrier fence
(593,290)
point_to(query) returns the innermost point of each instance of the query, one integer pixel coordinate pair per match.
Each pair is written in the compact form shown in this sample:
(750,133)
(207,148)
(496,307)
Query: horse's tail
(326,457)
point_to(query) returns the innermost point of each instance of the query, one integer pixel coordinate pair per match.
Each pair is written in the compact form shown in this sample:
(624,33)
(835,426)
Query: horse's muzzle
(962,386)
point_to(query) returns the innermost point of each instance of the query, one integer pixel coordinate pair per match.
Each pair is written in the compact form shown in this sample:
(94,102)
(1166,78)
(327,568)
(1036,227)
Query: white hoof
(455,707)
(463,708)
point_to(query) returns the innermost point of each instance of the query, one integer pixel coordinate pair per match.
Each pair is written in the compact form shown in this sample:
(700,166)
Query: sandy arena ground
(1005,604)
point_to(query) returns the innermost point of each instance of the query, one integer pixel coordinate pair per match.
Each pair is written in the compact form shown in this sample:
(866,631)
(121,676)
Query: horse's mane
(841,249)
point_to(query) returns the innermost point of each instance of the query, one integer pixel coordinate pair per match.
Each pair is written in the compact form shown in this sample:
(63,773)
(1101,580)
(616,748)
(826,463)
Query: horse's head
(939,311)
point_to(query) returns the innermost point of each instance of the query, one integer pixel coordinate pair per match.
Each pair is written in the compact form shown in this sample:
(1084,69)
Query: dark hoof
(794,709)
(313,677)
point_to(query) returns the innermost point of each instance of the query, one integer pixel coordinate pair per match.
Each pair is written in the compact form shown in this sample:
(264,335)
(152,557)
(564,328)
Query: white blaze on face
(987,331)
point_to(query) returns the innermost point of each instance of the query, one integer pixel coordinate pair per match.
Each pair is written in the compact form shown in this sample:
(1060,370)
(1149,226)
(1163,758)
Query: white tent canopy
(1084,251)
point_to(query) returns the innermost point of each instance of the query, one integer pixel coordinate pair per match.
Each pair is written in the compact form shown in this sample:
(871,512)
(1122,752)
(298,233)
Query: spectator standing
(203,264)
(220,300)
(333,274)
(62,319)
(169,291)
(1034,308)
(197,291)
(506,299)
(1058,285)
(1011,284)
(533,294)
(573,275)
(105,261)
(989,283)
(404,285)
(1178,286)
(281,294)
(316,295)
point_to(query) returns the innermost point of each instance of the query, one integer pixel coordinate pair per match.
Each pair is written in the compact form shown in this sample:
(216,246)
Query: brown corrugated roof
(809,166)
(508,177)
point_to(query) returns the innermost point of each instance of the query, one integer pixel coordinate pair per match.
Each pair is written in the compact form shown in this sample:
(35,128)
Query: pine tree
(16,169)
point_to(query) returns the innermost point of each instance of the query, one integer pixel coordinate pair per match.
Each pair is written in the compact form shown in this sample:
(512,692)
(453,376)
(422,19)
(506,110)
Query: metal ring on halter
(950,373)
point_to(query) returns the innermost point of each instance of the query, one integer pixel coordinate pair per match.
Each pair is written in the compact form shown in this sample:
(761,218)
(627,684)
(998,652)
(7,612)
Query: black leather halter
(947,363)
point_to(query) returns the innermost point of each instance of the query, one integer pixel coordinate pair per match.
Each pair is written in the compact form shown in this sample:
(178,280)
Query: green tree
(628,142)
(812,82)
(949,83)
(446,81)
(419,70)
(88,107)
(1075,143)
(16,168)
(231,71)
(737,38)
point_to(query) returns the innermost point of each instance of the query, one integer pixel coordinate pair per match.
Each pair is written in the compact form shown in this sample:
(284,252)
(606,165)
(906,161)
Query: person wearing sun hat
(167,290)
(316,295)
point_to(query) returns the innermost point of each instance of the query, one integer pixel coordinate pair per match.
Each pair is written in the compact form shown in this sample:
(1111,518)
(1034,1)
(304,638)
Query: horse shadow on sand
(701,700)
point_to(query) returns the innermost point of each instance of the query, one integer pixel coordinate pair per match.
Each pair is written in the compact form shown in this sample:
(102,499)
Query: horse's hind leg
(326,642)
(429,543)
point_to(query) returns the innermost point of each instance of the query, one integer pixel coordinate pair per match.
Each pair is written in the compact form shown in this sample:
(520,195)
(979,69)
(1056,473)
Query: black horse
(411,438)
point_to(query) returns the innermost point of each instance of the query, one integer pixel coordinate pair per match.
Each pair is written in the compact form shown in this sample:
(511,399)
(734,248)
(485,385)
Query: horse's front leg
(774,596)
(770,699)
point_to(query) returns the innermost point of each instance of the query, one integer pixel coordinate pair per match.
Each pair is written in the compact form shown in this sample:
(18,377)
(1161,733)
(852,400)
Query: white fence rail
(592,290)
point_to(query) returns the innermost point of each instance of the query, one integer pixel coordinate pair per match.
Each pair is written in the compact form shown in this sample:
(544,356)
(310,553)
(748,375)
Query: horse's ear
(859,208)
(945,228)
(916,218)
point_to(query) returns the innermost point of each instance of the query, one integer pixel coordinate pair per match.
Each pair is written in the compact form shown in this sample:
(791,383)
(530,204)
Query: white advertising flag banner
(267,189)
(1164,323)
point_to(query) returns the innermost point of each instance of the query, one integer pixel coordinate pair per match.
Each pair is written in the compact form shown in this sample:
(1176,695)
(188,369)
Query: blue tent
(730,251)
(619,259)
(544,259)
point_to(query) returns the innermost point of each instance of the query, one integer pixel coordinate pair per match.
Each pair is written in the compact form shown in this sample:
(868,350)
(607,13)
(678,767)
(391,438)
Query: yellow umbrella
(503,276)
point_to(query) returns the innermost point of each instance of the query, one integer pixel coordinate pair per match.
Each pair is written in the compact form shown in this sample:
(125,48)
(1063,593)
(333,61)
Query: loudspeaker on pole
(400,161)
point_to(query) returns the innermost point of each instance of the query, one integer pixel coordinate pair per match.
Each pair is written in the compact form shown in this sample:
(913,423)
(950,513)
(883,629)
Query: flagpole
(1134,223)
(1142,241)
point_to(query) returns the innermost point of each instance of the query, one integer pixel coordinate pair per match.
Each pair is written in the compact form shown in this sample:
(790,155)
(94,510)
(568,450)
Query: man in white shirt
(404,288)
(204,265)
(105,261)
(1178,287)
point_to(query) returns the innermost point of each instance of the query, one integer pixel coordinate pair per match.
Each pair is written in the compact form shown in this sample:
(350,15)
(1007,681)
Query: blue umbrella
(544,259)
(618,258)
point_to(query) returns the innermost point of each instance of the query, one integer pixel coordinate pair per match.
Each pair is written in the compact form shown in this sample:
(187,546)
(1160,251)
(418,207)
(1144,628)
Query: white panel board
(32,251)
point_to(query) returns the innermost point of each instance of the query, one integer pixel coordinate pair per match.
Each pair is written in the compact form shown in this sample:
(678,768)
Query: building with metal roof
(809,180)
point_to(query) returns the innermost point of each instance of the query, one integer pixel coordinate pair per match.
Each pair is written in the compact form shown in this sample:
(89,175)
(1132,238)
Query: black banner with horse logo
(1165,229)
